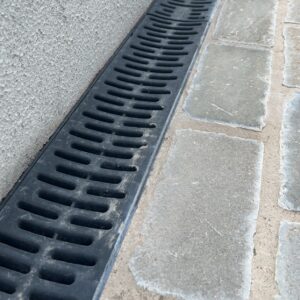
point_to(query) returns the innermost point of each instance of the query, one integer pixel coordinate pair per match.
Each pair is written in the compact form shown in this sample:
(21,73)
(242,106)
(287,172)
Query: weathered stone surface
(288,261)
(293,15)
(198,231)
(292,57)
(231,86)
(248,21)
(290,154)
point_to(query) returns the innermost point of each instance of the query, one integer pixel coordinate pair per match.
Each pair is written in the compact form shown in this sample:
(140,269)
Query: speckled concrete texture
(248,21)
(231,86)
(292,60)
(293,11)
(290,156)
(198,231)
(288,261)
(50,51)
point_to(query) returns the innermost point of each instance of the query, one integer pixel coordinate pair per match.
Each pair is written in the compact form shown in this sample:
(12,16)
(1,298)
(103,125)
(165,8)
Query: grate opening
(37,210)
(118,167)
(13,263)
(62,276)
(48,295)
(58,182)
(7,286)
(17,243)
(72,257)
(72,157)
(90,223)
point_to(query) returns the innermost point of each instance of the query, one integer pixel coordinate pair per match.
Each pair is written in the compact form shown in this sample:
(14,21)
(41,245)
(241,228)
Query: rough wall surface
(49,53)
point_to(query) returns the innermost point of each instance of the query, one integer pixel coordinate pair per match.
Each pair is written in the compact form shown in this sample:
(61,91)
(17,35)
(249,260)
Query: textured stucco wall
(49,53)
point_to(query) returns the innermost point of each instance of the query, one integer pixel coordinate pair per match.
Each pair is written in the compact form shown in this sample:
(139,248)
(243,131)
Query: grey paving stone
(247,21)
(198,231)
(293,15)
(231,86)
(290,156)
(292,56)
(288,261)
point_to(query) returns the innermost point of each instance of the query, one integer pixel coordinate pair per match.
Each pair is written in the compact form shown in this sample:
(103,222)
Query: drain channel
(62,225)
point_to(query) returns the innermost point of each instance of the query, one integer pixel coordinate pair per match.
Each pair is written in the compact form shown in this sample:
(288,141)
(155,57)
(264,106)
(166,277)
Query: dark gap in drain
(7,286)
(72,157)
(134,97)
(96,207)
(97,117)
(108,100)
(14,263)
(58,276)
(118,167)
(129,144)
(73,257)
(127,72)
(106,178)
(156,91)
(90,223)
(142,49)
(61,183)
(118,154)
(136,60)
(139,124)
(148,107)
(48,295)
(37,210)
(162,46)
(86,148)
(105,193)
(21,244)
(54,197)
(153,70)
(71,171)
(117,85)
(86,136)
(161,58)
(142,82)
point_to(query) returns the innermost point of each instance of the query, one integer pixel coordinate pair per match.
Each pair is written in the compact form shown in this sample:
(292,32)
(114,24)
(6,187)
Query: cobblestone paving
(248,21)
(292,56)
(288,261)
(200,224)
(231,86)
(290,151)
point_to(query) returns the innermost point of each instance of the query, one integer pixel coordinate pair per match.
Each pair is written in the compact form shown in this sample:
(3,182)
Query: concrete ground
(220,217)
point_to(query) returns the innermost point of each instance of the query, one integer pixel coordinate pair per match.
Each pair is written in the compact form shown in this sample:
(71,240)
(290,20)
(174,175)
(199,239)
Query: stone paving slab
(290,156)
(231,86)
(288,261)
(198,231)
(293,15)
(292,56)
(247,21)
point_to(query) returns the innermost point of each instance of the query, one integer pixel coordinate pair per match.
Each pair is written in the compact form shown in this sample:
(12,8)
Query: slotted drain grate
(61,226)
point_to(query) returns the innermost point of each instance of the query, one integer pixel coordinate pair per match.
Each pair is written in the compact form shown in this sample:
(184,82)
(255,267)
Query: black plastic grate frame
(62,225)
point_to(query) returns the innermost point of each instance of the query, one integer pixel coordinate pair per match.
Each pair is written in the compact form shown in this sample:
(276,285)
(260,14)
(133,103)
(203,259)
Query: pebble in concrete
(292,57)
(198,231)
(247,21)
(293,15)
(231,86)
(288,261)
(290,153)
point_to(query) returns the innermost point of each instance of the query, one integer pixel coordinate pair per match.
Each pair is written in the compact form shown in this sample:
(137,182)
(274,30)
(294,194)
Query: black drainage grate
(61,226)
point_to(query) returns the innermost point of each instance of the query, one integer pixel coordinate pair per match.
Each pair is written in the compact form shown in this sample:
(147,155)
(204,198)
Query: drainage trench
(63,223)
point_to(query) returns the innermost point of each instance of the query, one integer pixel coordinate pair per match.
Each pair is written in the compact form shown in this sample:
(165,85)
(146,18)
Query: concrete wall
(49,53)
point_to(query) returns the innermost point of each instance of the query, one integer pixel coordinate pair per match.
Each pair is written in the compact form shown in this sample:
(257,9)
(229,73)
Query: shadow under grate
(62,225)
